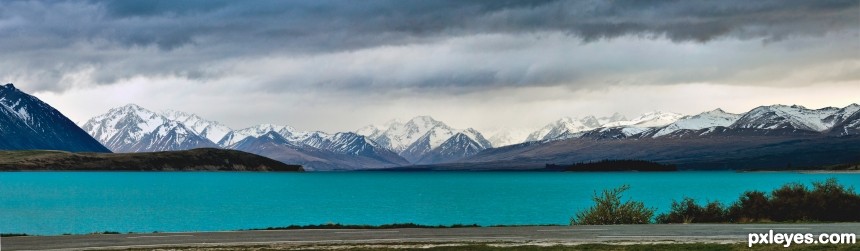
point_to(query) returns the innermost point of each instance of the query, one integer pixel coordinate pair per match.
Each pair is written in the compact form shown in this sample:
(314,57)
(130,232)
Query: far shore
(800,171)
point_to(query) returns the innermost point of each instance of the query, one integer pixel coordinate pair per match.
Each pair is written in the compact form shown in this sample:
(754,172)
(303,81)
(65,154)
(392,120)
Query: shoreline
(409,226)
(800,171)
(485,237)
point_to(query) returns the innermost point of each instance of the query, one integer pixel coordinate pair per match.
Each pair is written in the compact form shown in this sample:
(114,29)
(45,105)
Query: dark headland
(201,159)
(614,166)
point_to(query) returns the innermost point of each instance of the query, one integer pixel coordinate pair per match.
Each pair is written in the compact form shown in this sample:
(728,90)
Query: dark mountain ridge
(275,146)
(28,123)
(721,149)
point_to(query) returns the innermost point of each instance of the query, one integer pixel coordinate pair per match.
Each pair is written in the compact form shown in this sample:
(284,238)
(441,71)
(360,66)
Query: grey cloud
(45,41)
(339,25)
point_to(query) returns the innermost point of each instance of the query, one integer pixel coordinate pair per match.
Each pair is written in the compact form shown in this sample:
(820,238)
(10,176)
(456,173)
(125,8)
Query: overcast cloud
(336,65)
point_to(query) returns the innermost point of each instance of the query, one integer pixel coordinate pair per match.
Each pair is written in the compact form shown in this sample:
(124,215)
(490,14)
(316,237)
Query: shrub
(687,211)
(827,201)
(830,201)
(790,203)
(751,206)
(609,210)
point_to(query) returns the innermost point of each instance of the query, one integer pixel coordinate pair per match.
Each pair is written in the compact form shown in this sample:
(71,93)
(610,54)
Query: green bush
(826,201)
(687,211)
(790,203)
(609,210)
(830,201)
(751,206)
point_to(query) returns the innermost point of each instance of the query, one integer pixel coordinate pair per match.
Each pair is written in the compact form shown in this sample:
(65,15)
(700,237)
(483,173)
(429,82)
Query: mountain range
(132,128)
(416,139)
(776,136)
(765,135)
(424,141)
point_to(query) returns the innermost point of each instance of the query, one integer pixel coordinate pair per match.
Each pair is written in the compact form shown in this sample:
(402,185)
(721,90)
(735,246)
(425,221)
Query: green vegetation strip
(386,226)
(826,201)
(525,247)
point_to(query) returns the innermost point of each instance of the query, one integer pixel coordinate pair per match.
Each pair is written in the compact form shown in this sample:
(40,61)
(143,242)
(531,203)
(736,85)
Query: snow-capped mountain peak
(457,146)
(509,136)
(374,131)
(615,117)
(369,131)
(123,125)
(477,137)
(418,136)
(649,119)
(424,123)
(211,130)
(397,137)
(232,137)
(794,117)
(716,117)
(131,128)
(564,126)
(590,121)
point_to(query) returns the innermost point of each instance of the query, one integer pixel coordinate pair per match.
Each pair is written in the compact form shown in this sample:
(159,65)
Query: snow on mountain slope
(398,136)
(842,115)
(211,130)
(717,117)
(564,126)
(615,117)
(132,128)
(357,145)
(618,132)
(435,133)
(650,119)
(477,137)
(794,117)
(319,140)
(255,131)
(337,146)
(28,123)
(456,147)
(369,131)
(123,125)
(505,137)
(849,126)
(345,152)
(416,137)
(432,139)
(170,136)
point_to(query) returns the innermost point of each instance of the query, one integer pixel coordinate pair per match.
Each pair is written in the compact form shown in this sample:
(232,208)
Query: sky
(340,65)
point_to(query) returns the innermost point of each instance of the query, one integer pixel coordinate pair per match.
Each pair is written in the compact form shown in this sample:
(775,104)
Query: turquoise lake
(51,203)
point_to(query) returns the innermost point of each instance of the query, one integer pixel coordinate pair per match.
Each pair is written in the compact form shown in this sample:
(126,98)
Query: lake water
(50,203)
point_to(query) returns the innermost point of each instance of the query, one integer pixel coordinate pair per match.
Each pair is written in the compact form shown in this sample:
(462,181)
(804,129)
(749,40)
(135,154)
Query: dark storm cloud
(46,41)
(337,25)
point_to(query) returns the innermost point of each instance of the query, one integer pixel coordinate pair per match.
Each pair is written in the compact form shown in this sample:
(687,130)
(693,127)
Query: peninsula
(201,159)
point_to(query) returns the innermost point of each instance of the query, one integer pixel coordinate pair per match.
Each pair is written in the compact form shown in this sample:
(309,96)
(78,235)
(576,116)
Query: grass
(321,226)
(14,156)
(386,226)
(524,247)
(12,234)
